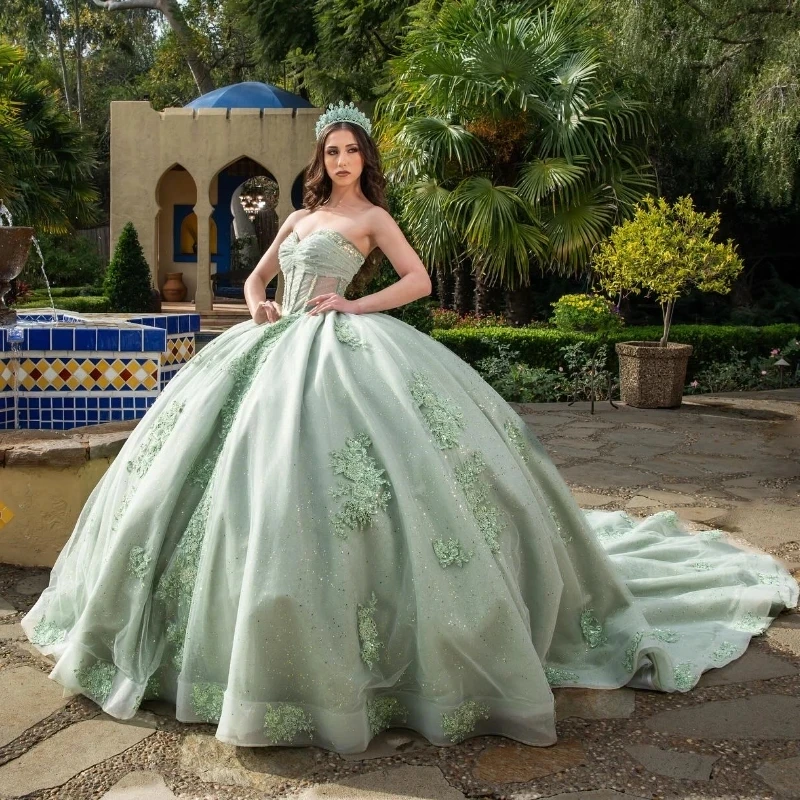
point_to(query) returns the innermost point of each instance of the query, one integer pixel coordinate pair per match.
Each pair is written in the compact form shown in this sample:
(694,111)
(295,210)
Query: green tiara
(342,113)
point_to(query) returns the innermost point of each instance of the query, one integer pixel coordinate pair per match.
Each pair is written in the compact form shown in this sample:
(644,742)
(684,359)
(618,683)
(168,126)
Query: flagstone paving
(726,461)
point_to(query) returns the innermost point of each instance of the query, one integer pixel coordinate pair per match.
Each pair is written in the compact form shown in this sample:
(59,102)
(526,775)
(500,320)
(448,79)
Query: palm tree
(516,145)
(46,161)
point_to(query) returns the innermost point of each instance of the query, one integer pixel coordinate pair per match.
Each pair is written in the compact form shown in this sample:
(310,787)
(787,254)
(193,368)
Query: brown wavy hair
(317,188)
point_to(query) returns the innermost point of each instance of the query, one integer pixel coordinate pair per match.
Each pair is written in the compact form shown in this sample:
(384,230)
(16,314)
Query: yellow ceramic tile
(6,514)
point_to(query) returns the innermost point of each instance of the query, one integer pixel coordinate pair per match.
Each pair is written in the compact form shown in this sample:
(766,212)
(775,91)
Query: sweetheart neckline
(329,230)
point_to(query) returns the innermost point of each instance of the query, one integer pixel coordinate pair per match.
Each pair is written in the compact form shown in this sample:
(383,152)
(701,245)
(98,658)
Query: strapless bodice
(321,262)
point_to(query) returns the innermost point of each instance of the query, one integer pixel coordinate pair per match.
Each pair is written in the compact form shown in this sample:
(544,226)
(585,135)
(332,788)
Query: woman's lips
(342,172)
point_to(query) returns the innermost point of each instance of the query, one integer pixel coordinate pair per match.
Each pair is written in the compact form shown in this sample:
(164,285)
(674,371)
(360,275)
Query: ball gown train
(330,525)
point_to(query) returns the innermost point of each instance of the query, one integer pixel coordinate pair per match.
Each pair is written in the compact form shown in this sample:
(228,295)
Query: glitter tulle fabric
(330,525)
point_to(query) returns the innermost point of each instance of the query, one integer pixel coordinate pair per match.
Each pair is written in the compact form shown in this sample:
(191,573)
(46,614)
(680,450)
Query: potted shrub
(663,251)
(128,283)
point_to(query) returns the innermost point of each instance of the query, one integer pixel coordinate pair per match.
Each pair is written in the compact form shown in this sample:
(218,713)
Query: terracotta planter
(174,289)
(652,376)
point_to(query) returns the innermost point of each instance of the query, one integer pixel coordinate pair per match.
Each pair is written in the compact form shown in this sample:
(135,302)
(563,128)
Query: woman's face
(344,161)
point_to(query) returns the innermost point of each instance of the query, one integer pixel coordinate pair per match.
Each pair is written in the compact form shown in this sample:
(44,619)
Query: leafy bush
(758,372)
(581,372)
(664,251)
(585,312)
(539,347)
(128,283)
(95,305)
(69,260)
(445,319)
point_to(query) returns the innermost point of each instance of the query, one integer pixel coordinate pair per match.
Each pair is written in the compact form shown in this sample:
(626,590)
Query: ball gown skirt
(330,525)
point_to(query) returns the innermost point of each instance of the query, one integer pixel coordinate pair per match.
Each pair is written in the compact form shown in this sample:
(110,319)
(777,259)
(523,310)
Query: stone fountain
(15,244)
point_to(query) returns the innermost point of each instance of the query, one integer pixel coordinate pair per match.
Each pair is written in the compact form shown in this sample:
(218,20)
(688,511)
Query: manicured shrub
(585,312)
(96,305)
(128,284)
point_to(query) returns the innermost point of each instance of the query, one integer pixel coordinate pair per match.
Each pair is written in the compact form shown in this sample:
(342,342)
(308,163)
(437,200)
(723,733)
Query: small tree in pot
(664,251)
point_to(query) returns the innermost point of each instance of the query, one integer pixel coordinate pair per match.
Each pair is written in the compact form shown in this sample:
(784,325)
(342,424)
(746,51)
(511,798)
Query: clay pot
(174,289)
(652,376)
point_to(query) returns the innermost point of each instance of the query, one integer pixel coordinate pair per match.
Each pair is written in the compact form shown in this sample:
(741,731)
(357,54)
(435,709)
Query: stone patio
(723,461)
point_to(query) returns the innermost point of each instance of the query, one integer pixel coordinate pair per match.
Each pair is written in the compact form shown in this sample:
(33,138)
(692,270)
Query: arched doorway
(176,227)
(244,195)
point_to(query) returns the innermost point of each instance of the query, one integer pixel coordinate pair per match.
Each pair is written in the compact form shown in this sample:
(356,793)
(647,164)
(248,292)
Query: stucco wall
(145,144)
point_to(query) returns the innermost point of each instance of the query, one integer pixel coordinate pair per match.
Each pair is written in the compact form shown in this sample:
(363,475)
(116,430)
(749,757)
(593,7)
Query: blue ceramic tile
(127,402)
(107,339)
(130,340)
(184,323)
(173,323)
(92,402)
(85,339)
(160,322)
(141,402)
(58,402)
(63,339)
(116,415)
(22,402)
(104,416)
(47,416)
(44,402)
(195,325)
(39,339)
(116,402)
(155,340)
(104,402)
(91,417)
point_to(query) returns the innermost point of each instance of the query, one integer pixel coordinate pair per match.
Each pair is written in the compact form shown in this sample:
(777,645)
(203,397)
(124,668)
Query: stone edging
(63,449)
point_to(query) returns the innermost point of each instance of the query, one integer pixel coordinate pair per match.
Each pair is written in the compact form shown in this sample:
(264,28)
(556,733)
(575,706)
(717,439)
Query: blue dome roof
(250,94)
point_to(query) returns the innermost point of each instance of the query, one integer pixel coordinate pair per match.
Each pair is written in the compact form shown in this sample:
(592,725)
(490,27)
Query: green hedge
(95,305)
(539,347)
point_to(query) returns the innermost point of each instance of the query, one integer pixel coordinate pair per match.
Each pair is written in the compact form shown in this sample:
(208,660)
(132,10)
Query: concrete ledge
(45,480)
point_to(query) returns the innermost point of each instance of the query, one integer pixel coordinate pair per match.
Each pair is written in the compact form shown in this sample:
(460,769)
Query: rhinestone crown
(343,113)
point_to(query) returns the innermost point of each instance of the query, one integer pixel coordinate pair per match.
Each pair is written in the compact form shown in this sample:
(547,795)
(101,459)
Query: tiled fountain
(73,371)
(60,370)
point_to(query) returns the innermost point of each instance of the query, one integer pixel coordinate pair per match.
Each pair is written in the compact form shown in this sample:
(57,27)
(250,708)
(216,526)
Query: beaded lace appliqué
(630,653)
(444,420)
(96,680)
(367,492)
(750,623)
(724,652)
(139,562)
(458,724)
(368,632)
(685,676)
(486,514)
(451,551)
(207,701)
(516,437)
(557,676)
(155,439)
(591,629)
(383,711)
(46,633)
(346,334)
(282,722)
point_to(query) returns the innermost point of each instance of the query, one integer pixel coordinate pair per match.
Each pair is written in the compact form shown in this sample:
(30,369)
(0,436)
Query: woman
(329,524)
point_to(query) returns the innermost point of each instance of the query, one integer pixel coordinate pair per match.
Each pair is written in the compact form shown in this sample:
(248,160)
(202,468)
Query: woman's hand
(267,311)
(332,302)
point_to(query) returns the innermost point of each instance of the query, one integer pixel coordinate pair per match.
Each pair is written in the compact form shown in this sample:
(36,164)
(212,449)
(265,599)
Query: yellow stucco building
(175,173)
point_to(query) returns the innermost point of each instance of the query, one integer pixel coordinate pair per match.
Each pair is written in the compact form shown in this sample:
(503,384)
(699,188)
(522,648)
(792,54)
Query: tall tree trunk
(519,307)
(462,280)
(54,23)
(481,294)
(172,13)
(444,287)
(78,62)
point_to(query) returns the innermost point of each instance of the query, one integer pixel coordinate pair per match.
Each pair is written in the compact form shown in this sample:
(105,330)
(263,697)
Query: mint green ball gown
(331,525)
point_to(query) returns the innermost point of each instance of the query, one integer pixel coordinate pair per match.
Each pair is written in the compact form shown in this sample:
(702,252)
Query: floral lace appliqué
(207,701)
(557,676)
(367,492)
(155,439)
(750,623)
(368,633)
(486,514)
(516,437)
(724,652)
(96,680)
(383,711)
(139,562)
(346,334)
(629,661)
(282,722)
(591,629)
(701,566)
(664,635)
(459,724)
(768,580)
(444,420)
(46,633)
(451,551)
(685,676)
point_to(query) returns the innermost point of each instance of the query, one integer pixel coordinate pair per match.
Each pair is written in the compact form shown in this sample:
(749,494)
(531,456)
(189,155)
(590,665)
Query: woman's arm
(414,280)
(255,286)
